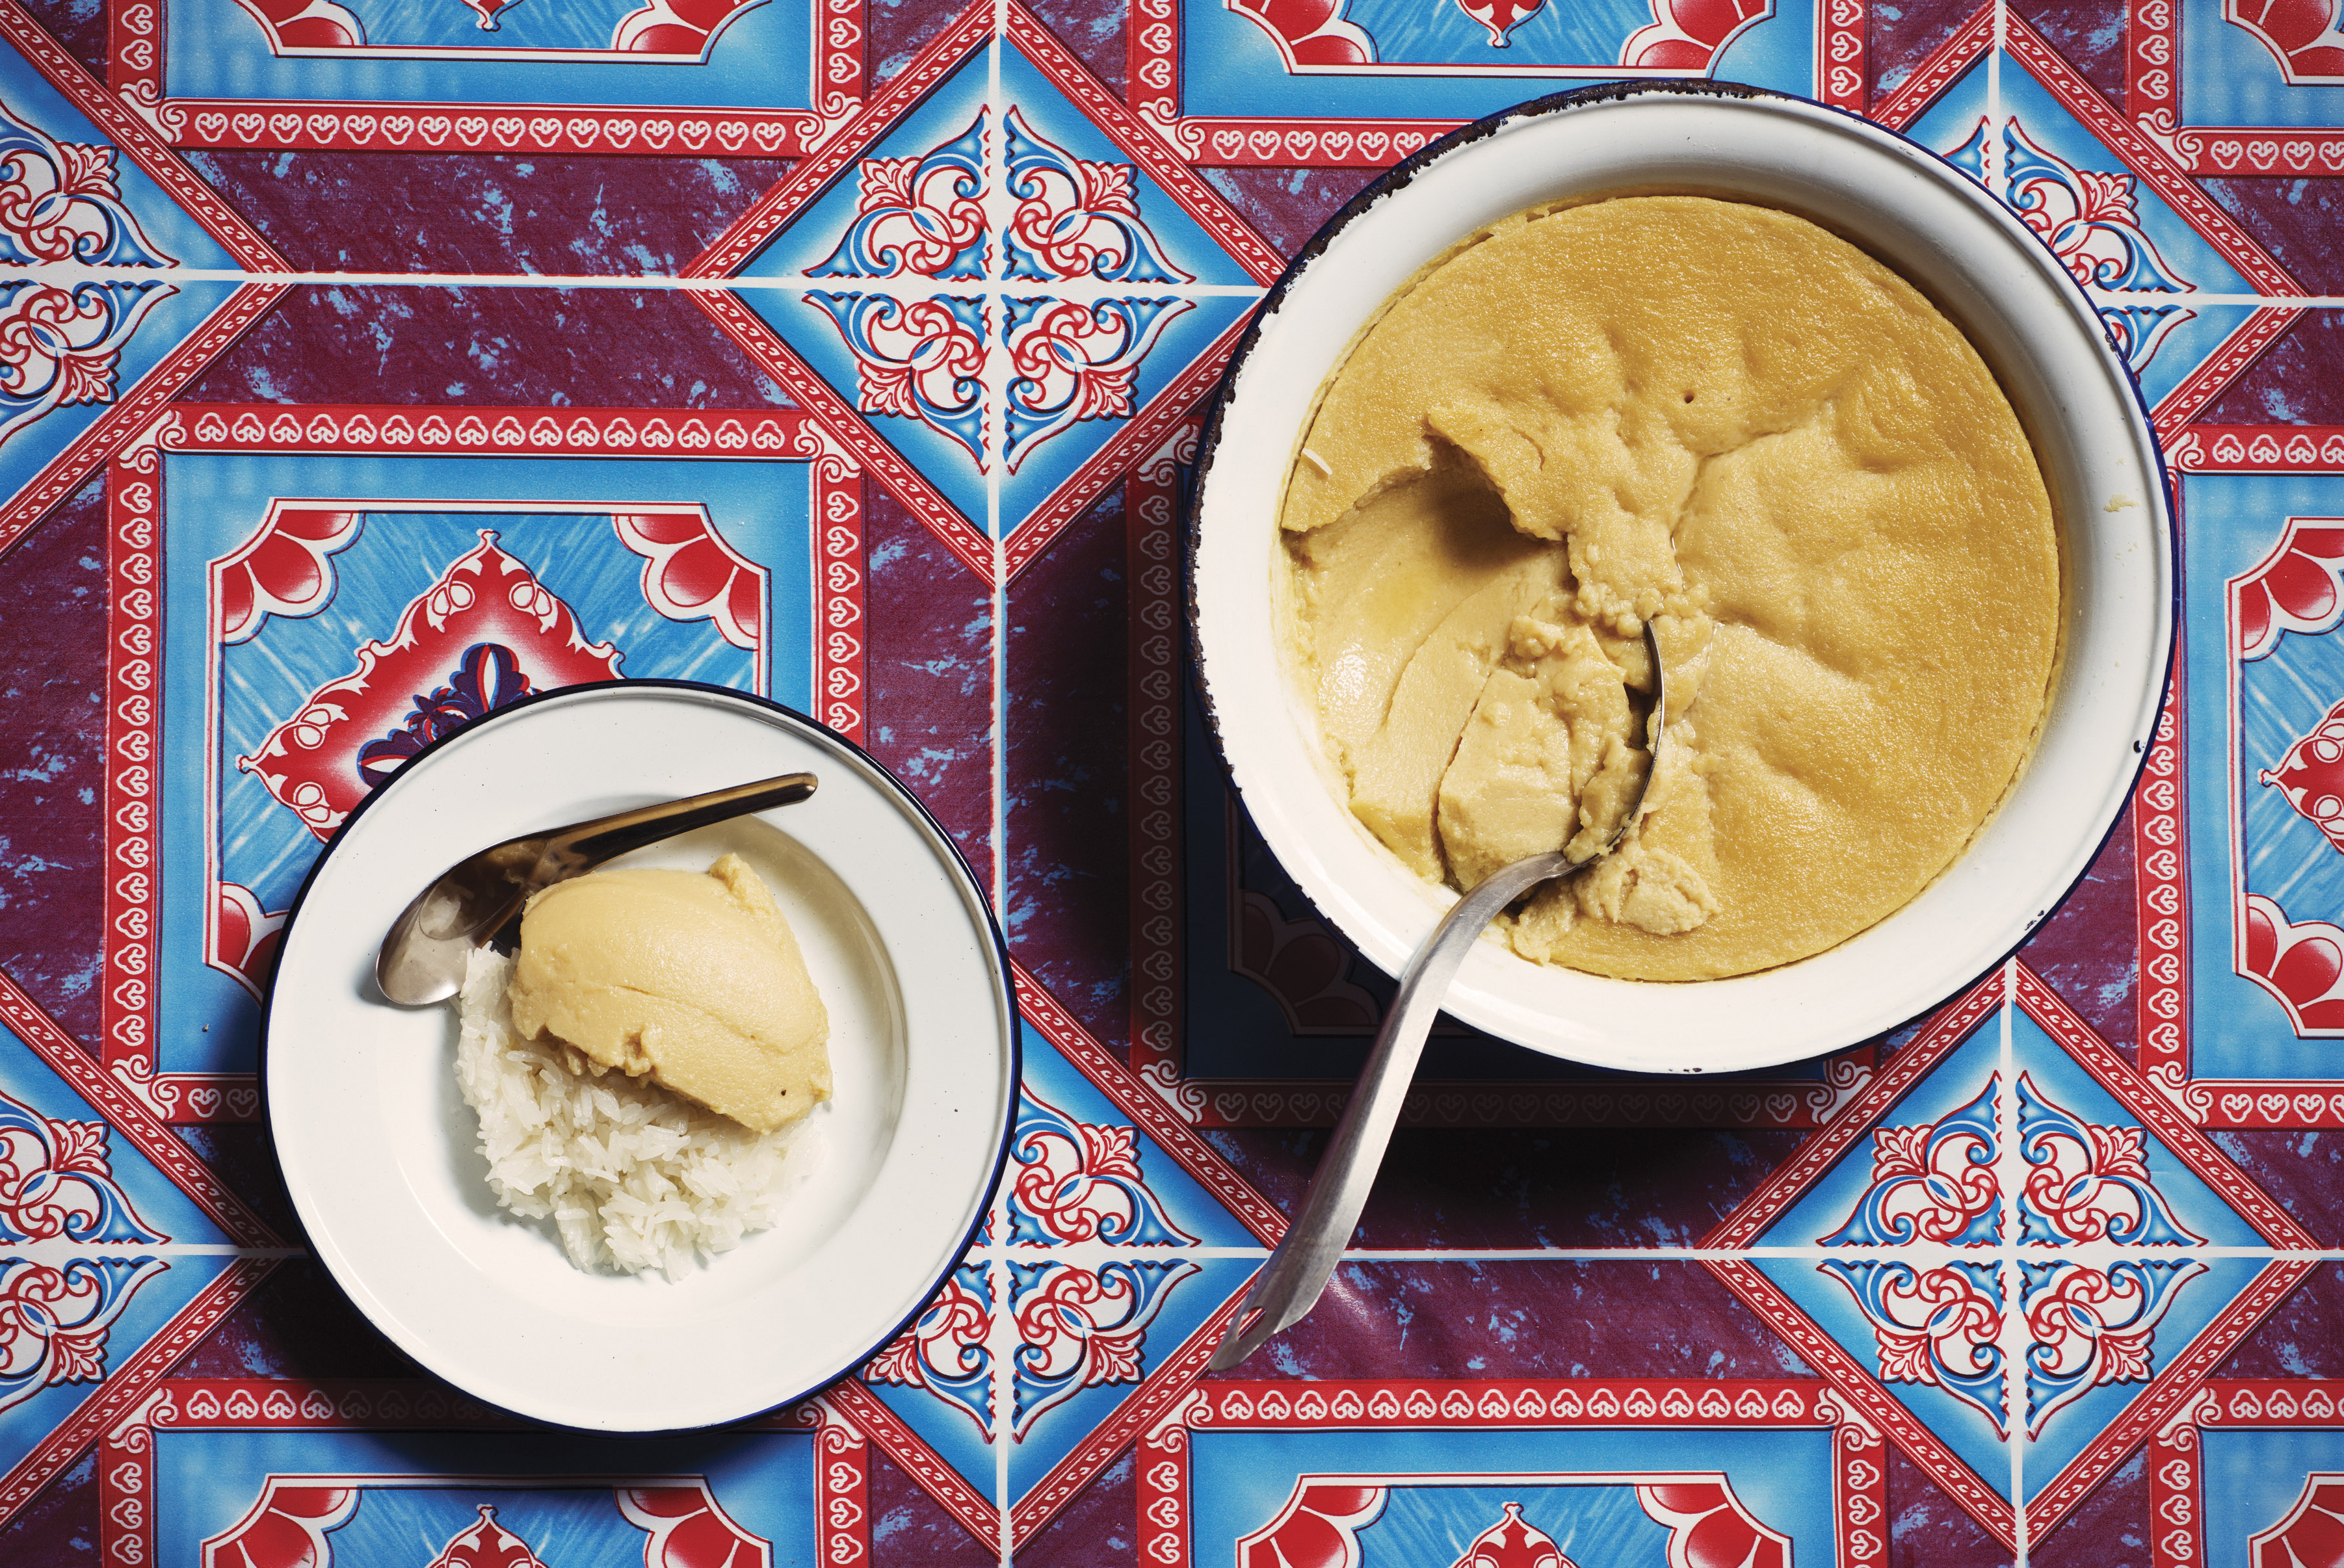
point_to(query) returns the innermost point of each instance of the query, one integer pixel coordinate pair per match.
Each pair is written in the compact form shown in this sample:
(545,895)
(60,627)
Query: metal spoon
(1291,1283)
(422,957)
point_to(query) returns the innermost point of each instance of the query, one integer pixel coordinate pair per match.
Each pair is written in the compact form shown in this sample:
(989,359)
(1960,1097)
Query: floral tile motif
(1081,367)
(2088,219)
(58,149)
(1074,219)
(100,1257)
(1470,57)
(996,263)
(1075,1181)
(60,203)
(2079,159)
(929,362)
(973,268)
(947,1351)
(2166,334)
(1930,1324)
(1123,1170)
(1082,1326)
(2020,1258)
(73,347)
(1933,1183)
(323,629)
(263,1474)
(2089,1325)
(1072,360)
(1069,1418)
(71,1180)
(1939,1326)
(1100,1264)
(2088,1182)
(1387,1472)
(736,54)
(2141,1264)
(2262,63)
(2263,565)
(2144,263)
(917,216)
(56,1184)
(920,361)
(928,173)
(1052,130)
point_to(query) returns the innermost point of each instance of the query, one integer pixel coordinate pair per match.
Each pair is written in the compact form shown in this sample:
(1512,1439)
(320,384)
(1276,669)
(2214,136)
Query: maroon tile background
(1058,742)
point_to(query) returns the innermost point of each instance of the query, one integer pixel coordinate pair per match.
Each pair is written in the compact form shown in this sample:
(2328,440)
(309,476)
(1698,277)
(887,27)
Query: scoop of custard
(693,977)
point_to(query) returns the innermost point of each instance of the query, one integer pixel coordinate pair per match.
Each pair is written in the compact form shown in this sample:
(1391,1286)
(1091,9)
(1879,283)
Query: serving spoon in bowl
(1291,1283)
(422,957)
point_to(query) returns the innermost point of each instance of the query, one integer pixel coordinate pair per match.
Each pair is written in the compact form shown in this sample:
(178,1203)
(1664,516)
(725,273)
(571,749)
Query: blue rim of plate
(958,864)
(1404,173)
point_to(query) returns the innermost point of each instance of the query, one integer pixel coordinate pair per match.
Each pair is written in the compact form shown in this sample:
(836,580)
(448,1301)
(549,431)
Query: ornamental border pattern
(1157,677)
(871,120)
(131,1383)
(136,60)
(137,139)
(2256,449)
(130,956)
(1278,141)
(1845,1370)
(1165,1508)
(2161,827)
(2175,1457)
(2153,101)
(126,1470)
(134,764)
(136,410)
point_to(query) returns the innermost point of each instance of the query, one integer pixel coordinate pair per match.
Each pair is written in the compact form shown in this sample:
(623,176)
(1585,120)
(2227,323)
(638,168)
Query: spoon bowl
(422,956)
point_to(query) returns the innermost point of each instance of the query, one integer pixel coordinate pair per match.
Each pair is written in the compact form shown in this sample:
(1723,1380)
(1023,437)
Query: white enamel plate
(380,1152)
(1981,264)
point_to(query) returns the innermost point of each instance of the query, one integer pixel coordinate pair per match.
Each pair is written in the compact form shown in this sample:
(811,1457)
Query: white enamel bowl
(380,1150)
(2028,319)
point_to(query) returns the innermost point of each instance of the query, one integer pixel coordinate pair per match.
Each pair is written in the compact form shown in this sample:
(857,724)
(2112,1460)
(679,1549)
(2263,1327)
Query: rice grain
(634,1177)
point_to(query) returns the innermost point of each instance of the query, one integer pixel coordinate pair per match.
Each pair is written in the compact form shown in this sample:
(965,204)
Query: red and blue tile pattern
(367,364)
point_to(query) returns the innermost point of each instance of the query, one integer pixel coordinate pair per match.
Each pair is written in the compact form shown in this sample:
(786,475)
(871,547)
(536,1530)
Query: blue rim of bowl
(959,863)
(1404,173)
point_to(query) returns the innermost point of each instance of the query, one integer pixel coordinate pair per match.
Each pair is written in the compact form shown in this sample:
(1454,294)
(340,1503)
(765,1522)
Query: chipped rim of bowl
(2119,588)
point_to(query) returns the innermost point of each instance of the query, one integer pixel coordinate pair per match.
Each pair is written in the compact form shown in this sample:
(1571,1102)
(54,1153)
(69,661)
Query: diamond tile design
(852,352)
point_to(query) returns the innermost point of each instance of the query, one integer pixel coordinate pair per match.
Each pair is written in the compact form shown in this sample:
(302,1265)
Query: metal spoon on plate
(1291,1283)
(422,958)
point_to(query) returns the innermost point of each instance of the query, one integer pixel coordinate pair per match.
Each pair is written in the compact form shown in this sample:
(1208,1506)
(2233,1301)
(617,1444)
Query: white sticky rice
(636,1178)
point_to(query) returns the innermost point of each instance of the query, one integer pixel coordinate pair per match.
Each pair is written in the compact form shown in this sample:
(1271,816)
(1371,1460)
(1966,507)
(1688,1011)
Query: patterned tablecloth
(366,362)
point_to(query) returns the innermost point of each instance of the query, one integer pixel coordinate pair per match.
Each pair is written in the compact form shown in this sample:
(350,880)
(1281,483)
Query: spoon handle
(1289,1284)
(606,838)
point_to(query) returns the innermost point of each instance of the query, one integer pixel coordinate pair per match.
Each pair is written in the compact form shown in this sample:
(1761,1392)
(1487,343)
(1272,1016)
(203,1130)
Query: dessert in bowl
(2000,601)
